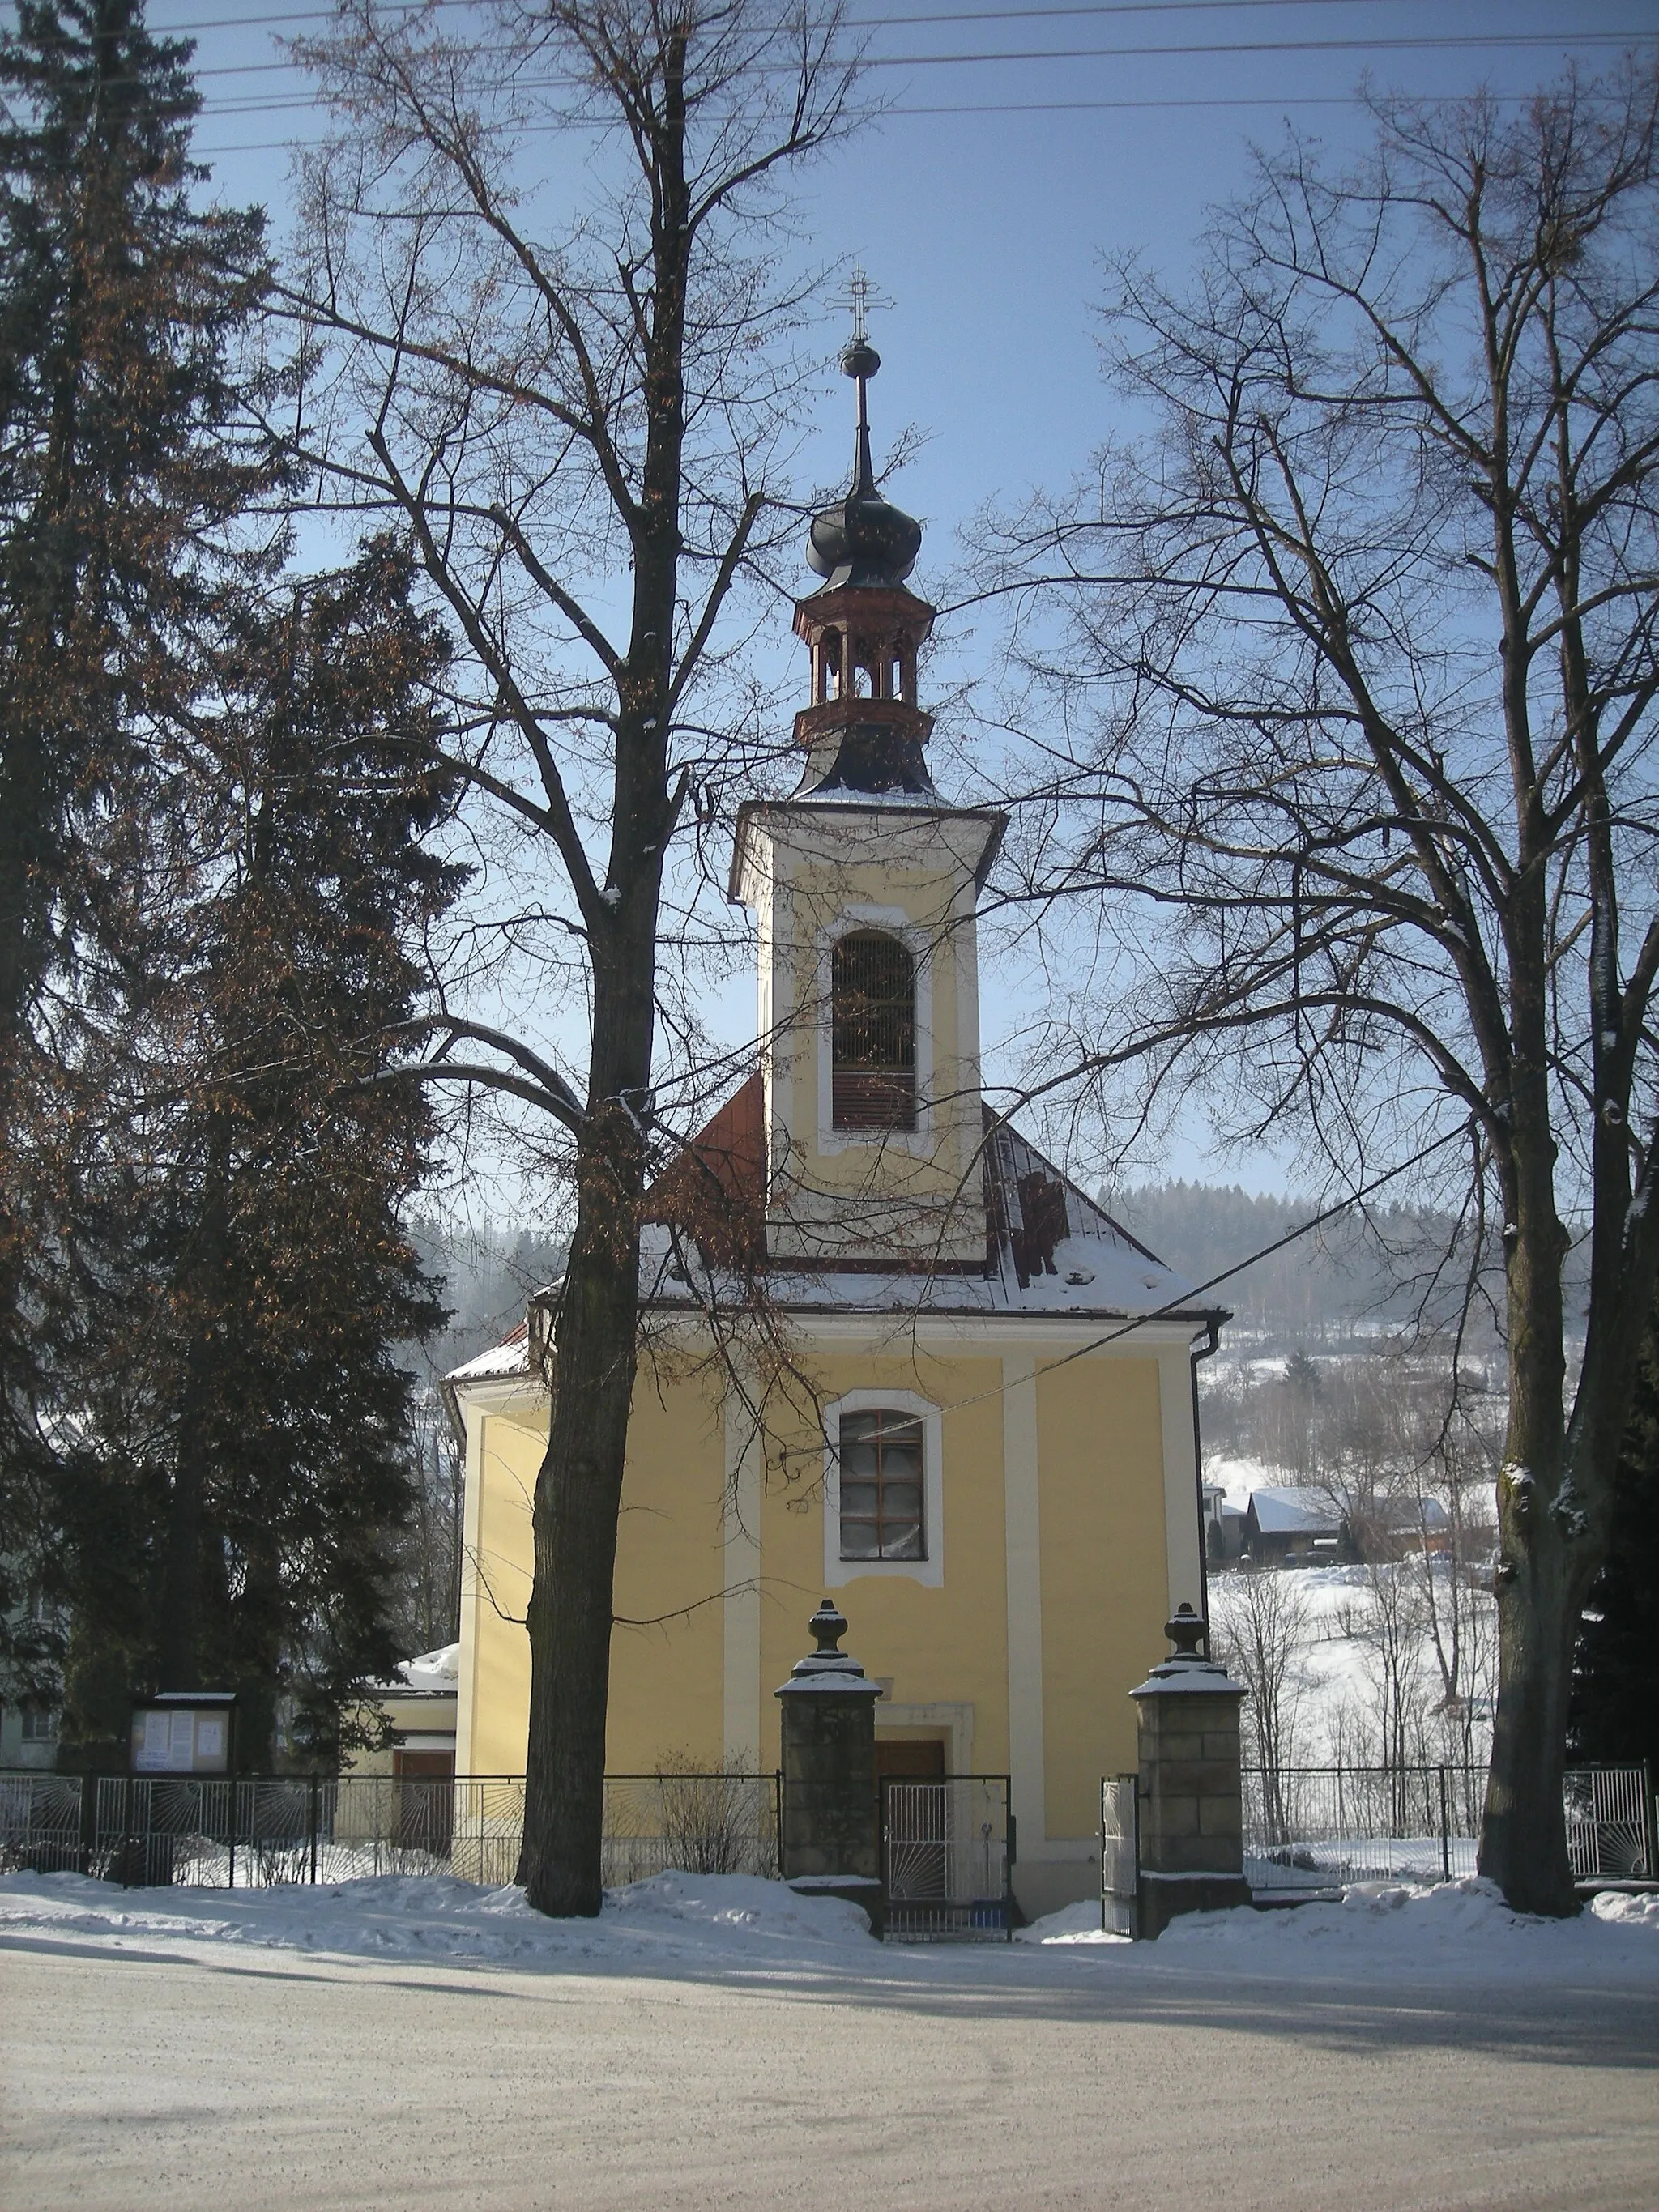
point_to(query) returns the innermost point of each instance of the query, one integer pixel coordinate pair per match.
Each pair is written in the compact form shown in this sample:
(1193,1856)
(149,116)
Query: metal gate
(1120,1853)
(41,1823)
(946,1850)
(1609,1822)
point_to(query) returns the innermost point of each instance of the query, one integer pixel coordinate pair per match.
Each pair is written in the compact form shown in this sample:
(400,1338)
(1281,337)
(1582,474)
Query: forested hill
(485,1276)
(1319,1287)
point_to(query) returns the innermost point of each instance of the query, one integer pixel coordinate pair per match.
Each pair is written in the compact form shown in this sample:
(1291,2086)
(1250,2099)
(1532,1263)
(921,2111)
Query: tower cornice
(827,824)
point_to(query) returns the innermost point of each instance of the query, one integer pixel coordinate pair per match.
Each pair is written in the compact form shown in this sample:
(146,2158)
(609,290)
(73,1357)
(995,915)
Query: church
(889,1353)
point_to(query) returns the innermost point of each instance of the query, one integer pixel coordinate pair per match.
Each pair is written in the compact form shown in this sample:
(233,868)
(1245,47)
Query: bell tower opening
(872,988)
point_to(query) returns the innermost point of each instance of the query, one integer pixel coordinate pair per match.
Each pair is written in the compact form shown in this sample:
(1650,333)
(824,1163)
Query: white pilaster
(1025,1570)
(740,1604)
(1182,1536)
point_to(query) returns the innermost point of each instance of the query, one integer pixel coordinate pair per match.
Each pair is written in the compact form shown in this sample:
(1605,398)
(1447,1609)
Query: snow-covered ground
(1334,1690)
(720,2045)
(678,1924)
(1456,1930)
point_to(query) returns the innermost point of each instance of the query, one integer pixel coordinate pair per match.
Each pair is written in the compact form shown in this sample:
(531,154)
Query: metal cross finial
(859,296)
(859,285)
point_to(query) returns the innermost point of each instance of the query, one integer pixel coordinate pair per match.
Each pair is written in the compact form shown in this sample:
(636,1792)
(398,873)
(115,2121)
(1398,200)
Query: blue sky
(983,204)
(985,226)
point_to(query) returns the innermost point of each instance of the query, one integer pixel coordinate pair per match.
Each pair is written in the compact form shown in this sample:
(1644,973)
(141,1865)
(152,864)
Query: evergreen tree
(254,1419)
(1615,1684)
(121,462)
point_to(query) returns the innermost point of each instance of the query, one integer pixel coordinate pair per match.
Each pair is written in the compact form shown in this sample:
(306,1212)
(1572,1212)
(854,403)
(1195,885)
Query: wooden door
(426,1800)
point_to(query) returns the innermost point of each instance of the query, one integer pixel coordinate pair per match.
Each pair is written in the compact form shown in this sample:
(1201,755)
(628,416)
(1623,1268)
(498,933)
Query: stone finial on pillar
(1191,1810)
(830,1842)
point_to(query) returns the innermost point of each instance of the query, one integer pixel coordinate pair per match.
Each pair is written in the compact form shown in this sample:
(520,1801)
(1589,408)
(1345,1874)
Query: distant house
(420,1703)
(1286,1526)
(1296,1526)
(1391,1527)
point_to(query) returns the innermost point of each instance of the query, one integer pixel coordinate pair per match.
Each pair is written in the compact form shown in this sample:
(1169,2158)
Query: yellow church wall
(496,1583)
(1104,1577)
(937,1645)
(1102,1561)
(665,1679)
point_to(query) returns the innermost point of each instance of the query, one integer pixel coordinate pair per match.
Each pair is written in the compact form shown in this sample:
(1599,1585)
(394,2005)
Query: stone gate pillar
(830,1842)
(1191,1810)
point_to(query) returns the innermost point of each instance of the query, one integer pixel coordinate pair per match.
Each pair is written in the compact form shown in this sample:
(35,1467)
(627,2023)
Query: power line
(1472,41)
(1542,40)
(1224,102)
(852,23)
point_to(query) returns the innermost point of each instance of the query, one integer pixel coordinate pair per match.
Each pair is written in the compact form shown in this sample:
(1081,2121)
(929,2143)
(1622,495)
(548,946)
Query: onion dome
(864,538)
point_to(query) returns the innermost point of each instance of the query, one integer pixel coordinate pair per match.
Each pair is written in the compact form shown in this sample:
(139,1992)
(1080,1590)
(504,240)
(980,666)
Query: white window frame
(930,1571)
(920,945)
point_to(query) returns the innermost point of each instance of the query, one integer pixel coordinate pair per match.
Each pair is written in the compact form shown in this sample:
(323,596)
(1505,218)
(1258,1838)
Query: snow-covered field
(720,2043)
(1333,1691)
(679,1922)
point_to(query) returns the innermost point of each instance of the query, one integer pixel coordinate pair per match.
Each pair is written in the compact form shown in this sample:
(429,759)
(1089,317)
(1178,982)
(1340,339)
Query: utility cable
(1183,1303)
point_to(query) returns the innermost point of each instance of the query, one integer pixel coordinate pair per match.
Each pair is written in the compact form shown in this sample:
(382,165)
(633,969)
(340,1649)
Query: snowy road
(145,2060)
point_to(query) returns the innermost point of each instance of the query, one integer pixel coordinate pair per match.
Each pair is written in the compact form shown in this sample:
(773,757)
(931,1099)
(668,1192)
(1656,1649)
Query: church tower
(865,884)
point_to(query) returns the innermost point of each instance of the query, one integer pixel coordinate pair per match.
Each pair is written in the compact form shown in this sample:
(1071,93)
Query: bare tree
(1357,740)
(581,419)
(1262,1630)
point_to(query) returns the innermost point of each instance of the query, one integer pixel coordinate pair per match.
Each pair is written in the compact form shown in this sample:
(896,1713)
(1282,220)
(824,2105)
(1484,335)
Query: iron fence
(1309,1830)
(946,1852)
(41,1823)
(253,1832)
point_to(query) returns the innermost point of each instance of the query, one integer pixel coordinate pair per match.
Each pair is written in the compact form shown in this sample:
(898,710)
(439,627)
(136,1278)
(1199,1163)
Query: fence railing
(1309,1829)
(255,1831)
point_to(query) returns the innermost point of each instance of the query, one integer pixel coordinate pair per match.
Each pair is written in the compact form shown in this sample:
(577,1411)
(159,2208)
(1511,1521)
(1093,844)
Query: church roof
(1050,1248)
(510,1357)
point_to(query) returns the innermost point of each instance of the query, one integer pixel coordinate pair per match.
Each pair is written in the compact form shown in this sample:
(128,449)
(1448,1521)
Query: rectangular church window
(881,1486)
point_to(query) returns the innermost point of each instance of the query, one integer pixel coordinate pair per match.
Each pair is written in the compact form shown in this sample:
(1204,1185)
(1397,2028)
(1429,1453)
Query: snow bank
(1454,1929)
(682,1925)
(1459,1931)
(1072,1923)
(711,1919)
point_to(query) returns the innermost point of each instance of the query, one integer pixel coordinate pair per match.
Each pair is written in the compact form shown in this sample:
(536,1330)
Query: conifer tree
(122,458)
(253,1419)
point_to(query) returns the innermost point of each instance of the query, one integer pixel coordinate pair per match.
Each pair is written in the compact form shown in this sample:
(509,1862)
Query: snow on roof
(510,1357)
(433,1670)
(431,1674)
(1050,1249)
(1283,1511)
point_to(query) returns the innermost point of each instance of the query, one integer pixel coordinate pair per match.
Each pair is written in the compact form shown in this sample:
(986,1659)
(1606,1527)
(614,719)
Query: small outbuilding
(1296,1526)
(420,1703)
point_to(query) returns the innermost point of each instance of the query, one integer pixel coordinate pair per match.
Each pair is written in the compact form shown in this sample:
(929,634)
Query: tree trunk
(179,1639)
(578,1499)
(1523,1835)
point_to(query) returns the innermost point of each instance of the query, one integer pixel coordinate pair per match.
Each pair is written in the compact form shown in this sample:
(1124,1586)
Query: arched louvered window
(873,1019)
